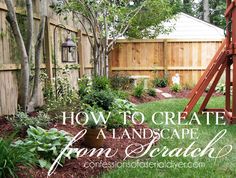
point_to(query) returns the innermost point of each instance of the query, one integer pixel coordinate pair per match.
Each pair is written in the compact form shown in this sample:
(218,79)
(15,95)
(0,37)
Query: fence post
(165,56)
(80,52)
(48,61)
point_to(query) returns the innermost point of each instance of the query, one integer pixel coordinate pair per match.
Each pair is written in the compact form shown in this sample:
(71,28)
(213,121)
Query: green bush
(47,145)
(160,82)
(120,94)
(83,86)
(12,157)
(138,90)
(60,93)
(100,83)
(152,92)
(176,88)
(22,121)
(120,82)
(116,120)
(121,105)
(102,99)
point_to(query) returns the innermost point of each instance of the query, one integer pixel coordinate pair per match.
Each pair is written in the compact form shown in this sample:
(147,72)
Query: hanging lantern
(69,52)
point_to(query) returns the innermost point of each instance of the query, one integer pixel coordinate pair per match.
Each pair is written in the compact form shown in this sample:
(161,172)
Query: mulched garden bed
(182,94)
(75,168)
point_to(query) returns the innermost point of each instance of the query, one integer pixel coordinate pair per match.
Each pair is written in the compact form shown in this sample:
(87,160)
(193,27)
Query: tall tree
(25,93)
(112,19)
(188,7)
(206,10)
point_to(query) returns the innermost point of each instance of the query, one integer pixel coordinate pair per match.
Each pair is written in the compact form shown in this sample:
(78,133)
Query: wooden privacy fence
(9,56)
(189,58)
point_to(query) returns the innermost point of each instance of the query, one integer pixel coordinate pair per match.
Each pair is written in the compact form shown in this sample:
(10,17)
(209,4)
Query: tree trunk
(24,83)
(30,25)
(38,47)
(206,11)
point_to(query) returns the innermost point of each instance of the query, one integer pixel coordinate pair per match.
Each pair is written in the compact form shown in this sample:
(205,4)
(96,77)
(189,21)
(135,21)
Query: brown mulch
(182,94)
(75,168)
(5,127)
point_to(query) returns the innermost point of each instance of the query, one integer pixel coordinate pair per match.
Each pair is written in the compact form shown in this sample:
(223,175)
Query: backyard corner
(116,89)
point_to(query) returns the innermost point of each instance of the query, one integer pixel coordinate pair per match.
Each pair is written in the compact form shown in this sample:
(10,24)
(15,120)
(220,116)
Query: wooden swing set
(224,58)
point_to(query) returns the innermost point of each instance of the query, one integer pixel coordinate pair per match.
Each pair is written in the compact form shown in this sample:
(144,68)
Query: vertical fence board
(188,58)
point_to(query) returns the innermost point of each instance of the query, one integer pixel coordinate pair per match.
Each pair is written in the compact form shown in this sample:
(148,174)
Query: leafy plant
(91,121)
(116,120)
(120,82)
(220,88)
(47,145)
(151,92)
(12,157)
(84,86)
(120,94)
(176,88)
(102,99)
(22,120)
(139,90)
(123,105)
(160,82)
(100,83)
(61,92)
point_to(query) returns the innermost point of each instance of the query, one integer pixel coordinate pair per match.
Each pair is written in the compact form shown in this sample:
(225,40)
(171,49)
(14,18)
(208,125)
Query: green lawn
(224,167)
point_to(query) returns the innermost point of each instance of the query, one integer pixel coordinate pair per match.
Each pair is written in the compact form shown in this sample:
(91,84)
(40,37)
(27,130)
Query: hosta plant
(46,144)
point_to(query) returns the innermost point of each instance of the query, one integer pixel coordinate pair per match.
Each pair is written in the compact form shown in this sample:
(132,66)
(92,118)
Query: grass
(212,168)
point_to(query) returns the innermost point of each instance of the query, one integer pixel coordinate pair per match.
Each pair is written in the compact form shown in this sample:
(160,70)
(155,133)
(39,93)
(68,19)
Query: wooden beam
(80,53)
(48,60)
(165,56)
(12,67)
(156,68)
(169,40)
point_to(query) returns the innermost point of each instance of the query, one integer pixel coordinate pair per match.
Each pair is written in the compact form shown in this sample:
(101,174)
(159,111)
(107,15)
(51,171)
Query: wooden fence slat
(188,58)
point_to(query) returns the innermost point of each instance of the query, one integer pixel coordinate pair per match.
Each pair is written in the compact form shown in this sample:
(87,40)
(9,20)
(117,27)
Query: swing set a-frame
(224,60)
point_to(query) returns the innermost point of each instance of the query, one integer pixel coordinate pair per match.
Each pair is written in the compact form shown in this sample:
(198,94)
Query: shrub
(176,88)
(83,86)
(100,83)
(139,90)
(120,82)
(116,120)
(152,92)
(60,92)
(160,82)
(121,105)
(22,121)
(91,123)
(121,94)
(47,145)
(102,99)
(12,157)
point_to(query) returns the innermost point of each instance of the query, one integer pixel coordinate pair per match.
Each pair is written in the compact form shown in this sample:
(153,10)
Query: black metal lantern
(68,51)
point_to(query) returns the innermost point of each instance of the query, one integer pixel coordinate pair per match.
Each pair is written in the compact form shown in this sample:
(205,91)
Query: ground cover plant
(12,157)
(46,145)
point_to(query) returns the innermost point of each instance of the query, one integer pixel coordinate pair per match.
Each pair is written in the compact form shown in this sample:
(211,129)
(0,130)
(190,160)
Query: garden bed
(181,94)
(76,167)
